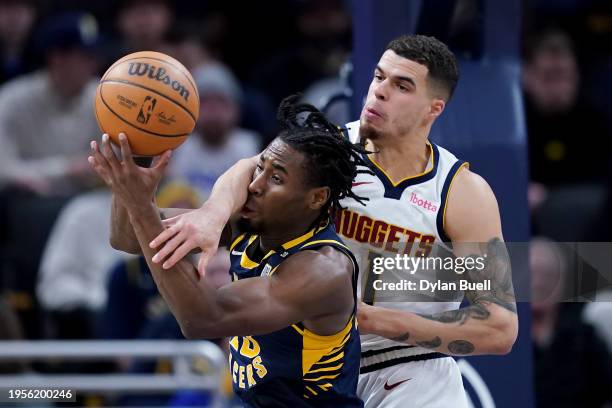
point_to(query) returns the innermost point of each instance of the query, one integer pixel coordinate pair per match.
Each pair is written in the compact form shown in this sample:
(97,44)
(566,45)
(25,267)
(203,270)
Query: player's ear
(318,197)
(437,107)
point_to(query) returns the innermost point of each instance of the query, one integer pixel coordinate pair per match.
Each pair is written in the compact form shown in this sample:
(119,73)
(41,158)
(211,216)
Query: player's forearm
(122,236)
(230,192)
(191,299)
(477,329)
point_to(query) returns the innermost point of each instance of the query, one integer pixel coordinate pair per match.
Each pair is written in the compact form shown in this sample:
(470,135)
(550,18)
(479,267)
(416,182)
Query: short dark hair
(331,159)
(432,53)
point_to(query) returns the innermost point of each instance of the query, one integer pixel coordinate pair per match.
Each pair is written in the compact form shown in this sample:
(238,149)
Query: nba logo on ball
(150,97)
(146,110)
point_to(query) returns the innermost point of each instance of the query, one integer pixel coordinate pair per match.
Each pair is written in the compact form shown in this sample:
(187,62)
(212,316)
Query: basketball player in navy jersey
(420,195)
(291,306)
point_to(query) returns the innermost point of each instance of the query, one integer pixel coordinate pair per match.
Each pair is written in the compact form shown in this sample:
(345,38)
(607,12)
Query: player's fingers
(164,236)
(100,170)
(97,155)
(169,247)
(163,161)
(109,154)
(126,152)
(170,222)
(203,262)
(178,254)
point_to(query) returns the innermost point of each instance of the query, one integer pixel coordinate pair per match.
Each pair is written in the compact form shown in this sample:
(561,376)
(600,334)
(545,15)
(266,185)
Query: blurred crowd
(567,70)
(59,278)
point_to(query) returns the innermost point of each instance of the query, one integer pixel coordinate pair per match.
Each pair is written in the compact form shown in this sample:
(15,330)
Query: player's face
(278,197)
(399,99)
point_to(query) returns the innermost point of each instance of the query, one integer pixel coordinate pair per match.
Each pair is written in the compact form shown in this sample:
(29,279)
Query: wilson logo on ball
(159,74)
(146,110)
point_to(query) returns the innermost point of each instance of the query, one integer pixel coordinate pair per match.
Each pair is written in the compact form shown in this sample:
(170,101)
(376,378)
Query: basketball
(152,98)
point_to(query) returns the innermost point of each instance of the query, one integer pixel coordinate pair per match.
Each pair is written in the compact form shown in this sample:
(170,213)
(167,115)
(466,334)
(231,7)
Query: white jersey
(405,217)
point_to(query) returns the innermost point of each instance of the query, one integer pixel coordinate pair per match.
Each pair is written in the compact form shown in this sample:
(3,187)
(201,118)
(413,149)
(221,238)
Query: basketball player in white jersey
(420,195)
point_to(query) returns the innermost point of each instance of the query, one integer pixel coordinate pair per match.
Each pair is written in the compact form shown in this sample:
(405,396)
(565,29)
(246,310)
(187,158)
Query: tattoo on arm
(460,347)
(499,272)
(402,337)
(460,316)
(431,344)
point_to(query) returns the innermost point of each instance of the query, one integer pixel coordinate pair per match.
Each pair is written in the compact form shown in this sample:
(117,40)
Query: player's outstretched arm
(307,285)
(122,235)
(202,228)
(490,324)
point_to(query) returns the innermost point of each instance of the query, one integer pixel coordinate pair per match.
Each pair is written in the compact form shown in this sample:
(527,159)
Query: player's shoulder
(326,263)
(470,185)
(472,208)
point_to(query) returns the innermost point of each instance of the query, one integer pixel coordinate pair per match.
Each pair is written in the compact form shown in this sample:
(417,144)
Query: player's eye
(378,77)
(402,88)
(276,179)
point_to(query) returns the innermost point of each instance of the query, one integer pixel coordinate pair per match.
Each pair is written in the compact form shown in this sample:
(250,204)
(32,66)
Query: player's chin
(369,130)
(251,224)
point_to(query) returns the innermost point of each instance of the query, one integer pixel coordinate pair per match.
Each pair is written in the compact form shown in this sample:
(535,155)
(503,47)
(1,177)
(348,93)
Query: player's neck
(401,158)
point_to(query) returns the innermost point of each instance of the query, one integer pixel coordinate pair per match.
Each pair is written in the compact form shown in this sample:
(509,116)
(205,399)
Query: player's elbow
(506,331)
(193,331)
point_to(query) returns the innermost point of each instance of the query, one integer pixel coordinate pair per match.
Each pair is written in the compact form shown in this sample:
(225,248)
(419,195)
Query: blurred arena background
(532,114)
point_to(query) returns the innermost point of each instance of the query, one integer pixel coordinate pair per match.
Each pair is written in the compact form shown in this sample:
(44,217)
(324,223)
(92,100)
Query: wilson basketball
(150,97)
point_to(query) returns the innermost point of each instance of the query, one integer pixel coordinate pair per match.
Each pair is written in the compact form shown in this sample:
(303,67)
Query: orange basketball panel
(141,142)
(158,72)
(146,110)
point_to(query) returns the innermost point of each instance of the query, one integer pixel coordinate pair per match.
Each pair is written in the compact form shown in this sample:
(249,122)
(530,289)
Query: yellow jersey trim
(311,390)
(450,186)
(245,261)
(316,347)
(339,366)
(304,237)
(236,241)
(323,377)
(428,168)
(331,360)
(326,241)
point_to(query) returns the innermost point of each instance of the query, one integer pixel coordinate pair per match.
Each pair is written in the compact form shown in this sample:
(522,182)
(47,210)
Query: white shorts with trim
(432,383)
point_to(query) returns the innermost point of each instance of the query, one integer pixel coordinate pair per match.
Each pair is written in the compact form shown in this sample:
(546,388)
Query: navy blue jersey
(293,367)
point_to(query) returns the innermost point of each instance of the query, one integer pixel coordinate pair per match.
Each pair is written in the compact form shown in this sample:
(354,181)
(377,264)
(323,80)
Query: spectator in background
(185,42)
(573,367)
(143,24)
(10,329)
(73,289)
(323,45)
(74,268)
(599,314)
(16,20)
(46,117)
(217,142)
(565,134)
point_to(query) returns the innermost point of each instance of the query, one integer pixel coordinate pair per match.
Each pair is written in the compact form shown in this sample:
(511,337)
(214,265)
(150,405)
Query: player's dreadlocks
(331,159)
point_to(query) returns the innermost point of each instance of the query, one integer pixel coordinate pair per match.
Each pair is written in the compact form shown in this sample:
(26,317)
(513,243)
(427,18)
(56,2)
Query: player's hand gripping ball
(150,97)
